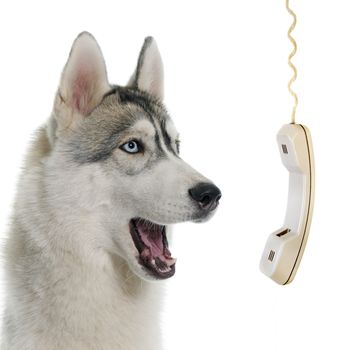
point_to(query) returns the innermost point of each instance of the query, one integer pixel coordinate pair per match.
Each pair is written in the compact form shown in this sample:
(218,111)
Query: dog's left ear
(149,75)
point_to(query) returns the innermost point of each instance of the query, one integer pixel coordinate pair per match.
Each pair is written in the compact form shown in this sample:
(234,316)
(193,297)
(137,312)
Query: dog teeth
(163,265)
(167,269)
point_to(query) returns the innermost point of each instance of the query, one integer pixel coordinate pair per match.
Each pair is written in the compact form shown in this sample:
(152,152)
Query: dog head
(123,151)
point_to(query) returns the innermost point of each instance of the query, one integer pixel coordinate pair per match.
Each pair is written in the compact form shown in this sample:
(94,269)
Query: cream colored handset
(285,247)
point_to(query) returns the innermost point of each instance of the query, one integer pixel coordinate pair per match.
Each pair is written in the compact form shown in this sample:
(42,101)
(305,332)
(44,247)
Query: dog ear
(84,77)
(149,75)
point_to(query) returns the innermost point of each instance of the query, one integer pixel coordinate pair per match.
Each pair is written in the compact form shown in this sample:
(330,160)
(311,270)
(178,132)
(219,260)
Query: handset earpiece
(285,247)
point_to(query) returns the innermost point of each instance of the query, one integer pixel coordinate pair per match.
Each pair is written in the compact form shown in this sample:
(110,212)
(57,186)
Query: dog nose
(206,195)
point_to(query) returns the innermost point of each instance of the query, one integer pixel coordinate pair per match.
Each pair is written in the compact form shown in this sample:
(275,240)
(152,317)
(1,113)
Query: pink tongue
(155,244)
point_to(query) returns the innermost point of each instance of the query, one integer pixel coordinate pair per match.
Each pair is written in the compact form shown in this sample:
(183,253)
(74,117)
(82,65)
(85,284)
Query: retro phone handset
(285,247)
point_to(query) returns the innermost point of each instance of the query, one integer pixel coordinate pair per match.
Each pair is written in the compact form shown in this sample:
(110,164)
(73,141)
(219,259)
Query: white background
(226,76)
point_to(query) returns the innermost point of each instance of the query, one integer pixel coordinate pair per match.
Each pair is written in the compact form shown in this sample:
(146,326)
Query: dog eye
(131,147)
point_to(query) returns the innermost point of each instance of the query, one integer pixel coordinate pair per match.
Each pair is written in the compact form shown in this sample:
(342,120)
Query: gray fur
(73,277)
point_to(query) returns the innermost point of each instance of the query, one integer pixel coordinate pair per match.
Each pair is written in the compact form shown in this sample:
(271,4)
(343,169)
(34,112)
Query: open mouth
(151,242)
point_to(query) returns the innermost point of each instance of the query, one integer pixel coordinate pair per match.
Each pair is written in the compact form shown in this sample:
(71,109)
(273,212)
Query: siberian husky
(102,182)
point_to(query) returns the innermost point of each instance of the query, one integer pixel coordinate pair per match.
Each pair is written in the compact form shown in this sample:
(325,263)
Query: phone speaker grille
(285,149)
(271,255)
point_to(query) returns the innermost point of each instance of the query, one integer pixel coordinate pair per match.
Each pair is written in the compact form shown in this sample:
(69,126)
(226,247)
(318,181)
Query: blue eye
(131,147)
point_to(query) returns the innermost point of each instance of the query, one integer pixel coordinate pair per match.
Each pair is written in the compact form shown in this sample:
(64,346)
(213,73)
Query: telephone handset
(285,247)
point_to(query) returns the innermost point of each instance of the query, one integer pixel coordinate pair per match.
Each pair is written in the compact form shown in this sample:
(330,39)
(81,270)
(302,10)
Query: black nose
(207,195)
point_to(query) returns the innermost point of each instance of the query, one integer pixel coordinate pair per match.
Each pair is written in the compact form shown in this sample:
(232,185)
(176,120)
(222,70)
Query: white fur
(73,278)
(64,290)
